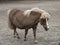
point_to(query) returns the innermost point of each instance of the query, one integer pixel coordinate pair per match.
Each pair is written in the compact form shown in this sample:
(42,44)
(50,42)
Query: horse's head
(44,23)
(44,20)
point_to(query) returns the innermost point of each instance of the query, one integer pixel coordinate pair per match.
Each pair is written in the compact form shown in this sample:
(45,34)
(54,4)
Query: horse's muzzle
(46,28)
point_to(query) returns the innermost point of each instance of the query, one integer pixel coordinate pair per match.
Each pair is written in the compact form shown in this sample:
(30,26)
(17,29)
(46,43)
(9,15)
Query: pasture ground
(50,37)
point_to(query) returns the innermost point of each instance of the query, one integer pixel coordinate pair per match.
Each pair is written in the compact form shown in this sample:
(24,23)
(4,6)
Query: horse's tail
(10,24)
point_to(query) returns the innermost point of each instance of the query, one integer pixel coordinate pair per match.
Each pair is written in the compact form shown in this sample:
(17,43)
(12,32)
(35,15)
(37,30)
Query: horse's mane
(44,14)
(27,12)
(36,9)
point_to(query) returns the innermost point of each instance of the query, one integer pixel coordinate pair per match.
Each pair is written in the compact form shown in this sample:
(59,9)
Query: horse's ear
(34,13)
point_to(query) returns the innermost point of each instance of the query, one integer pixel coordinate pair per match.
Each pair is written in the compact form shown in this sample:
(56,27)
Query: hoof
(25,40)
(14,36)
(18,37)
(35,42)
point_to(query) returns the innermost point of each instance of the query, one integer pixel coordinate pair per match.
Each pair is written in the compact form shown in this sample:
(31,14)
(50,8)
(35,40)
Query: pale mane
(27,12)
(44,14)
(37,10)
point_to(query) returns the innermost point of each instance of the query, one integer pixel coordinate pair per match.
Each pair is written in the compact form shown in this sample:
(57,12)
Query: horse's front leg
(26,31)
(34,32)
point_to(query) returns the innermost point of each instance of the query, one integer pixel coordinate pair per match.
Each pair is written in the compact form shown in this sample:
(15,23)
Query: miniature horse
(27,19)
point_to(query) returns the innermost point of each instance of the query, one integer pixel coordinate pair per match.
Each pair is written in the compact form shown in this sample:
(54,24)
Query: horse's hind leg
(34,32)
(16,34)
(26,31)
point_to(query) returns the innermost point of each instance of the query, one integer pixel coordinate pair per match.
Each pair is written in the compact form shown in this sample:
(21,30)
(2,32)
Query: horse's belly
(25,24)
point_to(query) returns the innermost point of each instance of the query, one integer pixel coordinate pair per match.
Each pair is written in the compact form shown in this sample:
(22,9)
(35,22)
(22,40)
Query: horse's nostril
(46,29)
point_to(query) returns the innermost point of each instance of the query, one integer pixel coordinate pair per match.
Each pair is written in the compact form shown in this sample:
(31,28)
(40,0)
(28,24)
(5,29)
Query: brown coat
(19,20)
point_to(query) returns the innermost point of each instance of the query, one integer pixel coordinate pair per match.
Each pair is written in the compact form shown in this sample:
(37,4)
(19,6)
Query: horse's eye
(43,20)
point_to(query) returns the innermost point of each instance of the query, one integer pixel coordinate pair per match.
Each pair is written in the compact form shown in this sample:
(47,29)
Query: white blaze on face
(47,23)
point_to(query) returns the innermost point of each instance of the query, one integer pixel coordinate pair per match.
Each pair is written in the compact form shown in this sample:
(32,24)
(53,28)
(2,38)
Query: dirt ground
(50,37)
